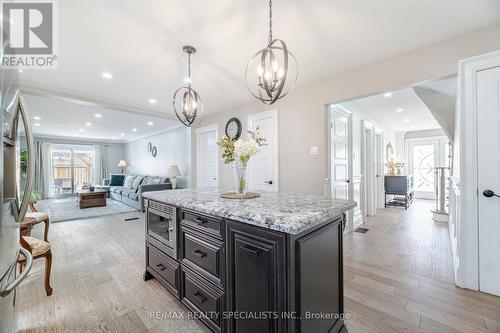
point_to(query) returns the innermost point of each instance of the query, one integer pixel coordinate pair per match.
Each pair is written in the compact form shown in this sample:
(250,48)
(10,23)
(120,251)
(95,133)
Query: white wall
(172,148)
(358,115)
(302,113)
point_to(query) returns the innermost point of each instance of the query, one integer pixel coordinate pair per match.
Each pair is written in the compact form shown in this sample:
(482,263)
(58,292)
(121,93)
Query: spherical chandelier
(276,69)
(187,102)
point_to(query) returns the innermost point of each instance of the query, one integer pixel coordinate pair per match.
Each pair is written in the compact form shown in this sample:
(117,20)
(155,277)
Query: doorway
(263,167)
(72,168)
(207,157)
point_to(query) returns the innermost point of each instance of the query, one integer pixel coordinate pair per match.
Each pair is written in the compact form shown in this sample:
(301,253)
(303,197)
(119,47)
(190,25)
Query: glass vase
(240,177)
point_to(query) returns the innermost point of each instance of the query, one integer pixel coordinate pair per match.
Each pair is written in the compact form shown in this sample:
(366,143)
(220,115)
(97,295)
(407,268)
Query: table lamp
(173,173)
(123,165)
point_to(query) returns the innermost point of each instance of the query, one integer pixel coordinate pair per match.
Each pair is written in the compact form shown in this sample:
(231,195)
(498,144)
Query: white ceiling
(415,115)
(60,118)
(140,42)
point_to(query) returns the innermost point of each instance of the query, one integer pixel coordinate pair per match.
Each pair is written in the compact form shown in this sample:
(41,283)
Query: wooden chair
(38,248)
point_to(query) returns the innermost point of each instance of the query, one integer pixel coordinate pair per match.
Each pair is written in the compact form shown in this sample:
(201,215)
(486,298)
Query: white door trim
(259,115)
(369,204)
(199,131)
(467,221)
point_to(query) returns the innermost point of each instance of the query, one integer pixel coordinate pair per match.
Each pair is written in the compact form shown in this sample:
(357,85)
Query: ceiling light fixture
(399,110)
(387,94)
(407,120)
(20,70)
(113,138)
(150,123)
(88,124)
(37,118)
(134,129)
(106,75)
(189,107)
(276,67)
(122,134)
(97,115)
(152,101)
(81,130)
(37,124)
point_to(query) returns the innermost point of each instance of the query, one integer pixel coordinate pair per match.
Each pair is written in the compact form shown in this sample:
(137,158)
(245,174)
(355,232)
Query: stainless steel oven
(161,227)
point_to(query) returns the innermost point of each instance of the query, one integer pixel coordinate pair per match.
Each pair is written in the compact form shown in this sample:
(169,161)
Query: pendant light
(272,72)
(187,102)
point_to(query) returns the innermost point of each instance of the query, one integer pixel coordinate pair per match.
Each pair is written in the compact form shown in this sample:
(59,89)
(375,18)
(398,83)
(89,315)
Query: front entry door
(488,104)
(263,167)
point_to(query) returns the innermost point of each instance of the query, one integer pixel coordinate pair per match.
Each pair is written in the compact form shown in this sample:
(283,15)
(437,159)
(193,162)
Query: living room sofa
(129,190)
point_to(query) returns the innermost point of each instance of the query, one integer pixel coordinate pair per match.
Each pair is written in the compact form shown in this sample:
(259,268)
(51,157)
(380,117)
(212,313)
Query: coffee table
(94,198)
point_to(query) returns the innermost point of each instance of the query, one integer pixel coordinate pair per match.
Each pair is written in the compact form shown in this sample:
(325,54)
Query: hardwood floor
(398,278)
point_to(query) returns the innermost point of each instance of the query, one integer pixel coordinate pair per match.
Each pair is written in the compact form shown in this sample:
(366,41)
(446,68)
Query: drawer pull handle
(200,220)
(250,251)
(200,297)
(161,267)
(199,253)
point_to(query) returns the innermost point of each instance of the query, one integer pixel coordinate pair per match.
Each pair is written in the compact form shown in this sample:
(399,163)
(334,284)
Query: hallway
(399,278)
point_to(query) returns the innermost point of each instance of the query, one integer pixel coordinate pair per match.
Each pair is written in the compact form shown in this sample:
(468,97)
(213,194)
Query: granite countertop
(291,213)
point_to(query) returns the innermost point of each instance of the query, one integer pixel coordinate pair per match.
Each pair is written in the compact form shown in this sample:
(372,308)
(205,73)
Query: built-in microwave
(161,227)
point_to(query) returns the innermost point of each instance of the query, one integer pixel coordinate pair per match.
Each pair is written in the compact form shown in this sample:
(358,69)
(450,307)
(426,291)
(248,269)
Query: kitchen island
(269,264)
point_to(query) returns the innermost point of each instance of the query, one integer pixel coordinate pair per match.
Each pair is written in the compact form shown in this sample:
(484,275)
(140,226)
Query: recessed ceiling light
(106,75)
(36,118)
(134,129)
(150,123)
(387,94)
(20,71)
(88,124)
(97,115)
(187,80)
(122,134)
(113,138)
(37,124)
(412,127)
(81,130)
(407,120)
(399,110)
(152,101)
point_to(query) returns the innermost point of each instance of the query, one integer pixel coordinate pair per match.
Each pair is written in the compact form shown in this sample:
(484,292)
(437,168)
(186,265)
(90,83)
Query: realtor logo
(28,32)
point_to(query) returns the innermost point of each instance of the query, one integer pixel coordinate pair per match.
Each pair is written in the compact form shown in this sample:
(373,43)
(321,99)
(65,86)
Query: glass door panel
(62,161)
(424,162)
(71,169)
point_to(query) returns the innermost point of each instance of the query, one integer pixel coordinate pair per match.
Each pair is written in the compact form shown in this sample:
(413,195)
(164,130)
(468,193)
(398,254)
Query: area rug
(67,209)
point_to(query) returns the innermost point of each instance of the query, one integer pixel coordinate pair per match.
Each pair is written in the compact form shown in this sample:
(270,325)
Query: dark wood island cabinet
(247,277)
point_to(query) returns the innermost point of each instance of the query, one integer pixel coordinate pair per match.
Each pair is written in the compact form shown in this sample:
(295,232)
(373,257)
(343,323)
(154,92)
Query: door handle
(490,193)
(270,182)
(199,253)
(347,181)
(250,251)
(200,297)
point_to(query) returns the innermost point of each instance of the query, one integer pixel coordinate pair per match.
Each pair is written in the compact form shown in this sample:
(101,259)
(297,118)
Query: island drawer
(203,253)
(202,297)
(164,267)
(205,223)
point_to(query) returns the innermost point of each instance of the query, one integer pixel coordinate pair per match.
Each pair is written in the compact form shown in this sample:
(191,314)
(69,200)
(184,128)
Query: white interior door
(379,177)
(340,159)
(207,157)
(488,105)
(263,167)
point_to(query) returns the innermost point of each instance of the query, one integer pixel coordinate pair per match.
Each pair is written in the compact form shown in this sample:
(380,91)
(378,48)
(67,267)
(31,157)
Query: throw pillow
(137,182)
(129,181)
(116,180)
